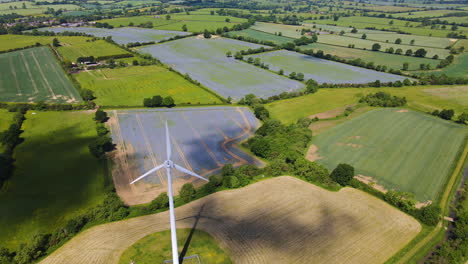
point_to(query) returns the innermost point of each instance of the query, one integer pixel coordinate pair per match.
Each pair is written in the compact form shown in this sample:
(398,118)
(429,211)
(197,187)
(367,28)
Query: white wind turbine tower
(169,165)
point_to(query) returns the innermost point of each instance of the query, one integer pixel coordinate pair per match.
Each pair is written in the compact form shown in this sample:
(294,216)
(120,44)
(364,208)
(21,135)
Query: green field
(286,30)
(31,8)
(392,61)
(430,13)
(422,41)
(195,23)
(128,86)
(55,176)
(33,75)
(262,36)
(458,68)
(406,151)
(71,47)
(5,121)
(156,248)
(344,41)
(419,98)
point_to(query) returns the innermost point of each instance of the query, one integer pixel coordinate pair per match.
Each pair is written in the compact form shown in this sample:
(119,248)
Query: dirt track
(282,220)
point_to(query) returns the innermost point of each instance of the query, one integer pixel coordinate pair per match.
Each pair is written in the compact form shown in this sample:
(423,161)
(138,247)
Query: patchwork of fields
(226,76)
(402,150)
(128,86)
(280,220)
(55,176)
(34,75)
(204,139)
(121,35)
(321,70)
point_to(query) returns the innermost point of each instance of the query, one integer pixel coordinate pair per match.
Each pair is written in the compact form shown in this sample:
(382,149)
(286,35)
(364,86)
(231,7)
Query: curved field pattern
(205,61)
(203,140)
(266,222)
(122,35)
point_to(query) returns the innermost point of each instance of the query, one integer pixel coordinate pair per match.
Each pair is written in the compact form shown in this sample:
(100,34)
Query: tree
(231,181)
(101,129)
(364,36)
(292,75)
(229,54)
(227,20)
(100,116)
(281,72)
(398,51)
(300,76)
(462,118)
(168,101)
(87,94)
(206,34)
(390,50)
(430,214)
(260,147)
(100,146)
(187,192)
(409,52)
(227,170)
(354,31)
(405,66)
(184,28)
(420,53)
(412,42)
(55,42)
(168,17)
(446,114)
(342,174)
(376,47)
(261,112)
(398,41)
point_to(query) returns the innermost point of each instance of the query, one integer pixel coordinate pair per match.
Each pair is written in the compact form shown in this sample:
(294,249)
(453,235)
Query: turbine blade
(148,173)
(168,143)
(184,170)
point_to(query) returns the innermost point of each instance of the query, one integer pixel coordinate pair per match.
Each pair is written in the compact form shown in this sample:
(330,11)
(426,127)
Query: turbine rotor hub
(169,164)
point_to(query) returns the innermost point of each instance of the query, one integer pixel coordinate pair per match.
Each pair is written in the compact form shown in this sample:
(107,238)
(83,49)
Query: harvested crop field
(204,139)
(402,150)
(457,95)
(323,71)
(122,35)
(33,75)
(261,224)
(205,61)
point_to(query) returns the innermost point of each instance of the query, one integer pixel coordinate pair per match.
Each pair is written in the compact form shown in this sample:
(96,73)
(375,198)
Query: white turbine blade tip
(184,170)
(147,173)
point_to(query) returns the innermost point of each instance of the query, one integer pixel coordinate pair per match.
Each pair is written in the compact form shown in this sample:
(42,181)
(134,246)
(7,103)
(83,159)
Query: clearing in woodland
(403,150)
(266,222)
(33,75)
(204,140)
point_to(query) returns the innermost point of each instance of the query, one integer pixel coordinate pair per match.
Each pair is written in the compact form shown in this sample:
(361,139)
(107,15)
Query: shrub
(429,215)
(383,99)
(342,174)
(187,193)
(100,116)
(100,146)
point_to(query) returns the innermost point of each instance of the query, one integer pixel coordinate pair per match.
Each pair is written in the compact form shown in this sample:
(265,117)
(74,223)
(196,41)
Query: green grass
(34,75)
(419,98)
(344,41)
(195,23)
(55,176)
(262,36)
(430,13)
(421,41)
(458,68)
(73,47)
(128,86)
(156,248)
(5,120)
(392,61)
(31,8)
(406,151)
(286,30)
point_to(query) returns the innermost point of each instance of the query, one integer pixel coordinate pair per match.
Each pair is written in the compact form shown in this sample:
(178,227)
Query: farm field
(31,9)
(56,177)
(419,41)
(5,121)
(73,48)
(419,97)
(330,28)
(458,68)
(121,35)
(259,35)
(226,76)
(266,226)
(155,248)
(367,44)
(403,150)
(195,23)
(323,71)
(34,75)
(204,139)
(414,28)
(430,13)
(286,30)
(392,61)
(128,86)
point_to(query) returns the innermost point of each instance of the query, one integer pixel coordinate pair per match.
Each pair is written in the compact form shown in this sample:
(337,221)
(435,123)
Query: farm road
(281,220)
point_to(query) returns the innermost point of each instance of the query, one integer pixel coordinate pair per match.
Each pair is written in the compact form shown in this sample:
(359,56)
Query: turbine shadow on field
(55,175)
(270,228)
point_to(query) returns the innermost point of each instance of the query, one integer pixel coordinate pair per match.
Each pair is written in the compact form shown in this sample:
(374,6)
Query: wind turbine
(169,165)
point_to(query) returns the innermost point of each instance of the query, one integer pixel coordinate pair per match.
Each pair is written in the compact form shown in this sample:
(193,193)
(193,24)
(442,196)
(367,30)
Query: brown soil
(371,182)
(423,204)
(266,222)
(312,153)
(349,145)
(402,111)
(320,126)
(331,113)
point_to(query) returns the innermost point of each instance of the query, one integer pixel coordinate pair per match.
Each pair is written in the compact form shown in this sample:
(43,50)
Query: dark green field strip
(34,75)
